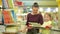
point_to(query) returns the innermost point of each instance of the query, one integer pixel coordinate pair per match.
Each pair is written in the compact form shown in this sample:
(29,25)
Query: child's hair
(49,15)
(35,5)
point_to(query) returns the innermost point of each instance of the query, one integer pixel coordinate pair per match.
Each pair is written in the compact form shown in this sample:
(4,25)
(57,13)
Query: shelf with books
(7,4)
(9,16)
(0,3)
(1,17)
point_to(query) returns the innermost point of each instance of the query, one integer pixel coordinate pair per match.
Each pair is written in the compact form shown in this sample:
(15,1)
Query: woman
(34,16)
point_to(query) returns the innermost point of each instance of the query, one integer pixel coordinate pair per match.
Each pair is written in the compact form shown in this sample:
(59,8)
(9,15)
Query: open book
(34,24)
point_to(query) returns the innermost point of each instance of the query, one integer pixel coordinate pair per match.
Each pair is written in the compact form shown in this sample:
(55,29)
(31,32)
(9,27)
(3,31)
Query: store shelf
(58,30)
(0,6)
(2,28)
(21,14)
(9,32)
(12,24)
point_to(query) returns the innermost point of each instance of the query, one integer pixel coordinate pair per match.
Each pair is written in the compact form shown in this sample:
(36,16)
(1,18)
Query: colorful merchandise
(18,3)
(5,4)
(0,17)
(10,4)
(0,2)
(12,29)
(7,17)
(13,15)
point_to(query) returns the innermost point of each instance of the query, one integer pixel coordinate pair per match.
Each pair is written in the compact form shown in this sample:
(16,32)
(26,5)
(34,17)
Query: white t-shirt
(46,24)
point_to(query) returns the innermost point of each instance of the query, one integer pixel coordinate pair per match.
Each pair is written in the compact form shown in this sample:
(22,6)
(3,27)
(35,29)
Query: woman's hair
(35,5)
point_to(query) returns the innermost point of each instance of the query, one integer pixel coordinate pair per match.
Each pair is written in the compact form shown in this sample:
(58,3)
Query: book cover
(7,17)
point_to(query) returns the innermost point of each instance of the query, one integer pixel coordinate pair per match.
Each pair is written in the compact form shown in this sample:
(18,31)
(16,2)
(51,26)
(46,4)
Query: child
(47,24)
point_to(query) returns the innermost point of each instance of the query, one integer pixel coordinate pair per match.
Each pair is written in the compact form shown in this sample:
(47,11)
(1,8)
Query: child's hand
(48,27)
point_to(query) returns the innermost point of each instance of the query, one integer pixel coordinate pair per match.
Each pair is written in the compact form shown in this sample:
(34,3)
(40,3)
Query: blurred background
(13,14)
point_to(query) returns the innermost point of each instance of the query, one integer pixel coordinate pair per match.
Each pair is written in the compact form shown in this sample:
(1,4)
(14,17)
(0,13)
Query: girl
(47,24)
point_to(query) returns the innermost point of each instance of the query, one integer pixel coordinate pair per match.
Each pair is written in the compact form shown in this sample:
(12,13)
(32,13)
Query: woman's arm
(27,19)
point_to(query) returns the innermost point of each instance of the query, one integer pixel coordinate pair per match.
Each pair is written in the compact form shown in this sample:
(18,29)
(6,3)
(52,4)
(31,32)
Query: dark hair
(35,5)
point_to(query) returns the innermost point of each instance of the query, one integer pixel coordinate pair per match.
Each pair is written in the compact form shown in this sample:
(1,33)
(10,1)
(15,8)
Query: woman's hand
(30,26)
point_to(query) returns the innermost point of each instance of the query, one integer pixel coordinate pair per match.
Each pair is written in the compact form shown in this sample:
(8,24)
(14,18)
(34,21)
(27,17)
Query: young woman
(34,16)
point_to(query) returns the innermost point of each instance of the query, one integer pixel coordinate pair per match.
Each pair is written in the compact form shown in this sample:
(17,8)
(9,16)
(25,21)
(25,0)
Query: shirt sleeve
(41,19)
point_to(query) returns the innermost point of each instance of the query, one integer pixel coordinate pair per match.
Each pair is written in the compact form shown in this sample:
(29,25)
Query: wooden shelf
(9,32)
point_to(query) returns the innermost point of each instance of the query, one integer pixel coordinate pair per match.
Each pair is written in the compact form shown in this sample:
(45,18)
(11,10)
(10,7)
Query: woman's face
(35,9)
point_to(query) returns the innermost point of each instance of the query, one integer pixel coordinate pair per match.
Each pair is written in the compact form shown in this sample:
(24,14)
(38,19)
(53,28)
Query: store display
(5,4)
(9,33)
(10,3)
(13,15)
(18,3)
(2,28)
(0,2)
(15,9)
(7,17)
(19,18)
(25,10)
(0,16)
(12,29)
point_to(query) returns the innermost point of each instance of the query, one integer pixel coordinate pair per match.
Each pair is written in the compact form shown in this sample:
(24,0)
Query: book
(0,2)
(5,4)
(7,17)
(12,29)
(10,3)
(2,28)
(0,16)
(34,24)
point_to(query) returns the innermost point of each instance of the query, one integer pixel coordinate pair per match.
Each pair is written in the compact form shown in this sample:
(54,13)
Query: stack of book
(0,17)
